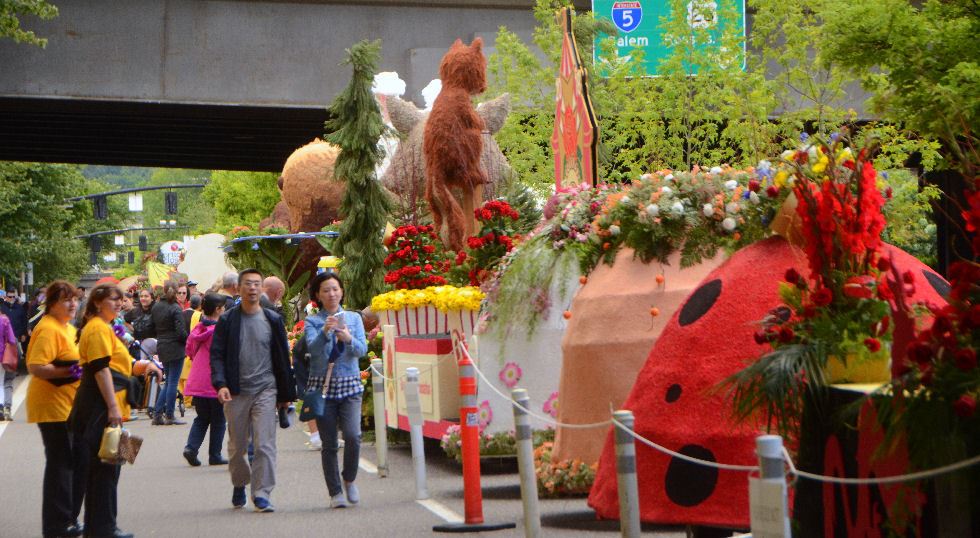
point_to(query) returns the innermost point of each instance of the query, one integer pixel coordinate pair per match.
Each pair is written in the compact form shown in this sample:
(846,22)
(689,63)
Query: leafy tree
(241,198)
(921,63)
(39,225)
(355,127)
(122,176)
(192,209)
(12,10)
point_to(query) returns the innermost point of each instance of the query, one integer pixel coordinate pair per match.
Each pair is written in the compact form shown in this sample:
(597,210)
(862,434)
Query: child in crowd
(206,404)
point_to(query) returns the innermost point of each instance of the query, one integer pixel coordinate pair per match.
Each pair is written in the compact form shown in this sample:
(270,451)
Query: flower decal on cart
(510,375)
(485,414)
(551,406)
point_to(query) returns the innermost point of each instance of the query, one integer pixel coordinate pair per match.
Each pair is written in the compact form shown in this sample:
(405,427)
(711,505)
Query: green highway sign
(639,25)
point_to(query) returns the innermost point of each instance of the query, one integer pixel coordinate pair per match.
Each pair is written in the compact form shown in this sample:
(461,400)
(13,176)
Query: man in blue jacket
(250,370)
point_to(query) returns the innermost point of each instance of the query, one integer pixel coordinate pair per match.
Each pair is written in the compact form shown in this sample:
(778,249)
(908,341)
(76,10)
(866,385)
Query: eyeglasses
(181,293)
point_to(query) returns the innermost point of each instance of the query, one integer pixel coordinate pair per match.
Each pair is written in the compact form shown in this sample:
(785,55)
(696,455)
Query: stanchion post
(768,503)
(380,419)
(414,408)
(525,464)
(629,498)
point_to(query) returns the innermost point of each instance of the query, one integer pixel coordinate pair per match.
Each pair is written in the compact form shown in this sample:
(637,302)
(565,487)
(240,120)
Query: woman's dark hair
(57,291)
(170,291)
(318,280)
(211,303)
(195,301)
(95,297)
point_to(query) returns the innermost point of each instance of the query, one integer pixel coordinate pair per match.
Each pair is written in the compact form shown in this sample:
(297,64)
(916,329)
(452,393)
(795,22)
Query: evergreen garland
(355,127)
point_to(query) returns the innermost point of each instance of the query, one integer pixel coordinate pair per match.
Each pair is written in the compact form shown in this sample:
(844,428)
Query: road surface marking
(441,510)
(367,466)
(19,394)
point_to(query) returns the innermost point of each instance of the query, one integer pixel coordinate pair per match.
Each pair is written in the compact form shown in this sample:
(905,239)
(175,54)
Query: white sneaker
(315,443)
(353,496)
(338,501)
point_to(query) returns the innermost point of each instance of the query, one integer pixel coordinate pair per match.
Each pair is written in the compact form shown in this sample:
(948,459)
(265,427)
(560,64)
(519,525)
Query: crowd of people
(89,351)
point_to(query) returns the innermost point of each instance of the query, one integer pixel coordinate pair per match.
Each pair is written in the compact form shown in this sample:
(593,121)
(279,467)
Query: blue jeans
(209,413)
(347,413)
(168,394)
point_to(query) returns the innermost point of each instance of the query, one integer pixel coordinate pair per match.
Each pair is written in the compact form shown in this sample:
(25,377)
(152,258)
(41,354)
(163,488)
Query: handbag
(109,447)
(10,356)
(315,399)
(129,446)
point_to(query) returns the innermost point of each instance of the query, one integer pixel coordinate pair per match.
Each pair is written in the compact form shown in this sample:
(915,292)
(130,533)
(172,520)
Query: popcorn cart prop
(420,330)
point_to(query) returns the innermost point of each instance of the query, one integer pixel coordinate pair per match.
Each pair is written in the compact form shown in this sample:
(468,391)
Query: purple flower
(834,137)
(804,136)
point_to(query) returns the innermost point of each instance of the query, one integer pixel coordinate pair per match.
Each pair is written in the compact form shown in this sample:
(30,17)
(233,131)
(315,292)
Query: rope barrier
(920,475)
(697,461)
(547,420)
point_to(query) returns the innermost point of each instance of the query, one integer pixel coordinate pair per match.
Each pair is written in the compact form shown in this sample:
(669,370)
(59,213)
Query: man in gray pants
(250,370)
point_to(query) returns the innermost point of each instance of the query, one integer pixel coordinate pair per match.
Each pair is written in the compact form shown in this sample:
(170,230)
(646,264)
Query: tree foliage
(192,209)
(355,126)
(12,10)
(38,224)
(241,198)
(921,62)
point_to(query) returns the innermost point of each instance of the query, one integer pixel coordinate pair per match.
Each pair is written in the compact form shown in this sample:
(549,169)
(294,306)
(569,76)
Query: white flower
(669,177)
(653,210)
(614,229)
(625,200)
(764,165)
(646,176)
(812,153)
(728,224)
(677,208)
(708,210)
(665,189)
(715,170)
(732,207)
(731,184)
(754,198)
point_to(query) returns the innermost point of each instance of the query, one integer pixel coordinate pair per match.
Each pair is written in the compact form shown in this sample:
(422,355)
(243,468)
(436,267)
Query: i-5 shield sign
(627,15)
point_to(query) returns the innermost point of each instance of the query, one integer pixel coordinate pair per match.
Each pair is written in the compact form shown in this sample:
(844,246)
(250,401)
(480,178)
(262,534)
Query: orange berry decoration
(583,279)
(660,279)
(567,314)
(654,311)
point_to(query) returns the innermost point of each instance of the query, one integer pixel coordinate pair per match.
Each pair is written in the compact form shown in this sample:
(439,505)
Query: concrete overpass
(231,84)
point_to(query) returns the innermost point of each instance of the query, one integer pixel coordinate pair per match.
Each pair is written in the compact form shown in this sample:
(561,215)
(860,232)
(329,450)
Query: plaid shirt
(343,387)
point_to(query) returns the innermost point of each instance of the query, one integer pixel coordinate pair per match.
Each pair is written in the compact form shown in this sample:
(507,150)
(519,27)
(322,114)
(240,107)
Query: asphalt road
(161,495)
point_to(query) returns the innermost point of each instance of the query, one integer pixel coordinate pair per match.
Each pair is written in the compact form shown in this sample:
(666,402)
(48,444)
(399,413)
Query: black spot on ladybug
(938,283)
(673,393)
(688,484)
(700,302)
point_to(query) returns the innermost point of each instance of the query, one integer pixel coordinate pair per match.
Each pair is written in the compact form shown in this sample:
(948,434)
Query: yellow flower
(780,179)
(443,298)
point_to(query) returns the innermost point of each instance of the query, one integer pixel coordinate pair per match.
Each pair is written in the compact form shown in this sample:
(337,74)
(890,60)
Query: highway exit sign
(639,26)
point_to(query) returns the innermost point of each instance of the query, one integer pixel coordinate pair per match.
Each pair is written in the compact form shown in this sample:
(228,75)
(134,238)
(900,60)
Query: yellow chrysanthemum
(443,298)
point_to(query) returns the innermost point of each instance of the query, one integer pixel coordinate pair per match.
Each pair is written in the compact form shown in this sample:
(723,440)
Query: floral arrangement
(834,324)
(695,212)
(491,444)
(560,478)
(444,298)
(494,240)
(415,259)
(296,333)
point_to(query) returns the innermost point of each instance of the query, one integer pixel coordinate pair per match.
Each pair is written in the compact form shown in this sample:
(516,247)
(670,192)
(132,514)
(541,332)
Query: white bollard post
(414,408)
(380,419)
(629,497)
(525,464)
(768,504)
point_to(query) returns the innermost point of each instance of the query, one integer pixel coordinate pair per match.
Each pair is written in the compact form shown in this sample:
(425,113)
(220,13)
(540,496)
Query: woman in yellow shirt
(50,357)
(101,401)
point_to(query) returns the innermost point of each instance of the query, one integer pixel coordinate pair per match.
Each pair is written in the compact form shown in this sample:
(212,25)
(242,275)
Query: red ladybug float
(674,402)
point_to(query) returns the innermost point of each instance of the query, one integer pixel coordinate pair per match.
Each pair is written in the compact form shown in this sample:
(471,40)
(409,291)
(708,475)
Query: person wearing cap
(192,288)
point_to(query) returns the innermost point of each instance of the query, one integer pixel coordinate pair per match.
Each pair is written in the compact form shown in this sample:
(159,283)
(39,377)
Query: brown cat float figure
(453,143)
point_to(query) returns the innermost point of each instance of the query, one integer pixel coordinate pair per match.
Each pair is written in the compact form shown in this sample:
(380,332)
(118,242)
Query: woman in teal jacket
(337,336)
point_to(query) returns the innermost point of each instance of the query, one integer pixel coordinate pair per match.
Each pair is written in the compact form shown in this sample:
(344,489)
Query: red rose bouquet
(495,239)
(415,258)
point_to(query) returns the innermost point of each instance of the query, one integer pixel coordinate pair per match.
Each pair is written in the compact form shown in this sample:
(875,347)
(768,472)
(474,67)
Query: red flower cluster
(842,227)
(414,261)
(494,209)
(971,216)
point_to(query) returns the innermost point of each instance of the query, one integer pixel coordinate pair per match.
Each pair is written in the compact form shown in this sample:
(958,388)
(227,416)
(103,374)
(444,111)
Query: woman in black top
(168,321)
(139,317)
